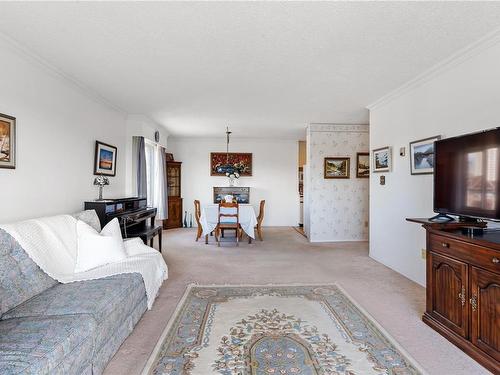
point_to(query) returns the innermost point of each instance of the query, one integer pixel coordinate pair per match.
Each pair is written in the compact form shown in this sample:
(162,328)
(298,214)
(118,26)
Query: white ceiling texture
(267,69)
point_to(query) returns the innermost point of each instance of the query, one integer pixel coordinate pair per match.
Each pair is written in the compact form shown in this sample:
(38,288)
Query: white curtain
(156,178)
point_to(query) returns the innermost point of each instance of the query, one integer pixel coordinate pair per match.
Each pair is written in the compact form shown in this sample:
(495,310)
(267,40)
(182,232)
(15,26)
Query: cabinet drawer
(477,255)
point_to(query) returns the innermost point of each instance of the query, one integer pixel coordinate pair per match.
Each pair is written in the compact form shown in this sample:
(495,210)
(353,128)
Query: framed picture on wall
(7,141)
(337,167)
(105,159)
(301,181)
(422,156)
(362,165)
(242,161)
(382,159)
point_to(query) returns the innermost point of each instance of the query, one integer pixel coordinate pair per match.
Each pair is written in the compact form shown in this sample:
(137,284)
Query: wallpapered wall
(337,208)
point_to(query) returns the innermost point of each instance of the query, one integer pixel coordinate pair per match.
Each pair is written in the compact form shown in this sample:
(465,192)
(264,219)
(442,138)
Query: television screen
(466,175)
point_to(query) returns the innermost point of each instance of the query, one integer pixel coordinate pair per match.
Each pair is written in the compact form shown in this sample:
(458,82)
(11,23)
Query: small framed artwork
(382,159)
(337,167)
(7,141)
(422,156)
(301,181)
(362,165)
(105,159)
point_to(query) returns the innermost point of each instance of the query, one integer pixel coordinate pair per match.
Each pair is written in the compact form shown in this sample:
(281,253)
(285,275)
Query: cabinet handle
(461,296)
(495,260)
(473,303)
(444,244)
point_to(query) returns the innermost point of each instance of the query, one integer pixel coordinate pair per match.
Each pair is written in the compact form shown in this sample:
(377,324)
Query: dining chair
(197,216)
(228,218)
(260,218)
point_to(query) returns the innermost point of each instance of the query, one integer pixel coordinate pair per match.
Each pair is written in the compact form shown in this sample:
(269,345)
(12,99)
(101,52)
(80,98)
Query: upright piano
(135,217)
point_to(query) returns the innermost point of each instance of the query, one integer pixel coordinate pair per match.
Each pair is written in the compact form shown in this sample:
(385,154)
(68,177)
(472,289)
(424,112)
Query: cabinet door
(448,283)
(485,311)
(174,213)
(173,179)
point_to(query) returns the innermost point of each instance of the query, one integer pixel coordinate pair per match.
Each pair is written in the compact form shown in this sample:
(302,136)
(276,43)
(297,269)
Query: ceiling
(265,68)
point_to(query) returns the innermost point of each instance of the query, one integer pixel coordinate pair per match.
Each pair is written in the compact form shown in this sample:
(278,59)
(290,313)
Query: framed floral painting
(7,141)
(241,161)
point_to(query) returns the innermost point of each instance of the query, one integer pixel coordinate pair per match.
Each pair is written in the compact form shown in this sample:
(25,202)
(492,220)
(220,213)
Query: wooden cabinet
(448,281)
(463,291)
(174,219)
(485,311)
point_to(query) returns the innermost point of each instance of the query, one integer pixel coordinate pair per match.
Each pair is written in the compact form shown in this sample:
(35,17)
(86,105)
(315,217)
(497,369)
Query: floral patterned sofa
(52,328)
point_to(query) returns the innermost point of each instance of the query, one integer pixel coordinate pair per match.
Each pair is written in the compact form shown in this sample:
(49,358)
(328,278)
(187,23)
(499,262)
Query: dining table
(210,217)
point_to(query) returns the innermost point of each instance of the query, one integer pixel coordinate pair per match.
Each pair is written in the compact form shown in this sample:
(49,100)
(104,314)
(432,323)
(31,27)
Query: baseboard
(335,240)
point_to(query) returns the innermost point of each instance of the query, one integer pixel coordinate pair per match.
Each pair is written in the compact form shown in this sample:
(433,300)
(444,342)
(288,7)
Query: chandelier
(230,170)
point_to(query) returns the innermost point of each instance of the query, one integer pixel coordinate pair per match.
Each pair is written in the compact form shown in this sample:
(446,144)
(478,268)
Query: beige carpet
(286,257)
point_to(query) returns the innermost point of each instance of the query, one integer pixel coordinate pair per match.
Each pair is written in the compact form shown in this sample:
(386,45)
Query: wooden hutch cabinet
(174,195)
(463,289)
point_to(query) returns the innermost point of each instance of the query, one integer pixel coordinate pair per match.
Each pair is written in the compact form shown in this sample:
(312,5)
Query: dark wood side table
(463,287)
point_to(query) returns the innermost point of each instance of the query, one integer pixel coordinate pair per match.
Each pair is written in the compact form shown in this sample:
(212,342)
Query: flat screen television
(466,175)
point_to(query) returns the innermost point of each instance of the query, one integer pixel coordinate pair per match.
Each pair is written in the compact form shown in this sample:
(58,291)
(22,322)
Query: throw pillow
(90,217)
(97,249)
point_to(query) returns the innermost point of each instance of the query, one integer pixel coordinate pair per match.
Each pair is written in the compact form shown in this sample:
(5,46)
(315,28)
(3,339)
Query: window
(155,177)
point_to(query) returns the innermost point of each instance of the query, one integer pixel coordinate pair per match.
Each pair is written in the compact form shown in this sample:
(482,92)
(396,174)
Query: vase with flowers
(233,176)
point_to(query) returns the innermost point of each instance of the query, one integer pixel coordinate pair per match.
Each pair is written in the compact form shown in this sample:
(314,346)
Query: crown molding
(36,59)
(145,119)
(330,127)
(472,50)
(222,140)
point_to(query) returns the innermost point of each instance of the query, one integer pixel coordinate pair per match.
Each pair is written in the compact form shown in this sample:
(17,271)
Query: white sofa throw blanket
(51,242)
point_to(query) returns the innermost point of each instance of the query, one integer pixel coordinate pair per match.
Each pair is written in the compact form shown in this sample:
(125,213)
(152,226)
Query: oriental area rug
(275,329)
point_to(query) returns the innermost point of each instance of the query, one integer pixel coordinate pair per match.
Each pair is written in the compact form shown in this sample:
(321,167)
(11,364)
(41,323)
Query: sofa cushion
(89,217)
(95,297)
(108,346)
(20,277)
(39,345)
(109,301)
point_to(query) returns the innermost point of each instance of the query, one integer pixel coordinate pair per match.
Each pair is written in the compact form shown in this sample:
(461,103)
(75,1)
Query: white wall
(463,97)
(275,175)
(337,209)
(57,126)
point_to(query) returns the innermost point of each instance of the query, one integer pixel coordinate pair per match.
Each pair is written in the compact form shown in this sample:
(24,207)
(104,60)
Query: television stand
(462,287)
(455,224)
(469,220)
(442,218)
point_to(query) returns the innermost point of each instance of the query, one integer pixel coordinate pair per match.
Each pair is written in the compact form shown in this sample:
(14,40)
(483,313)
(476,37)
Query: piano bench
(148,235)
